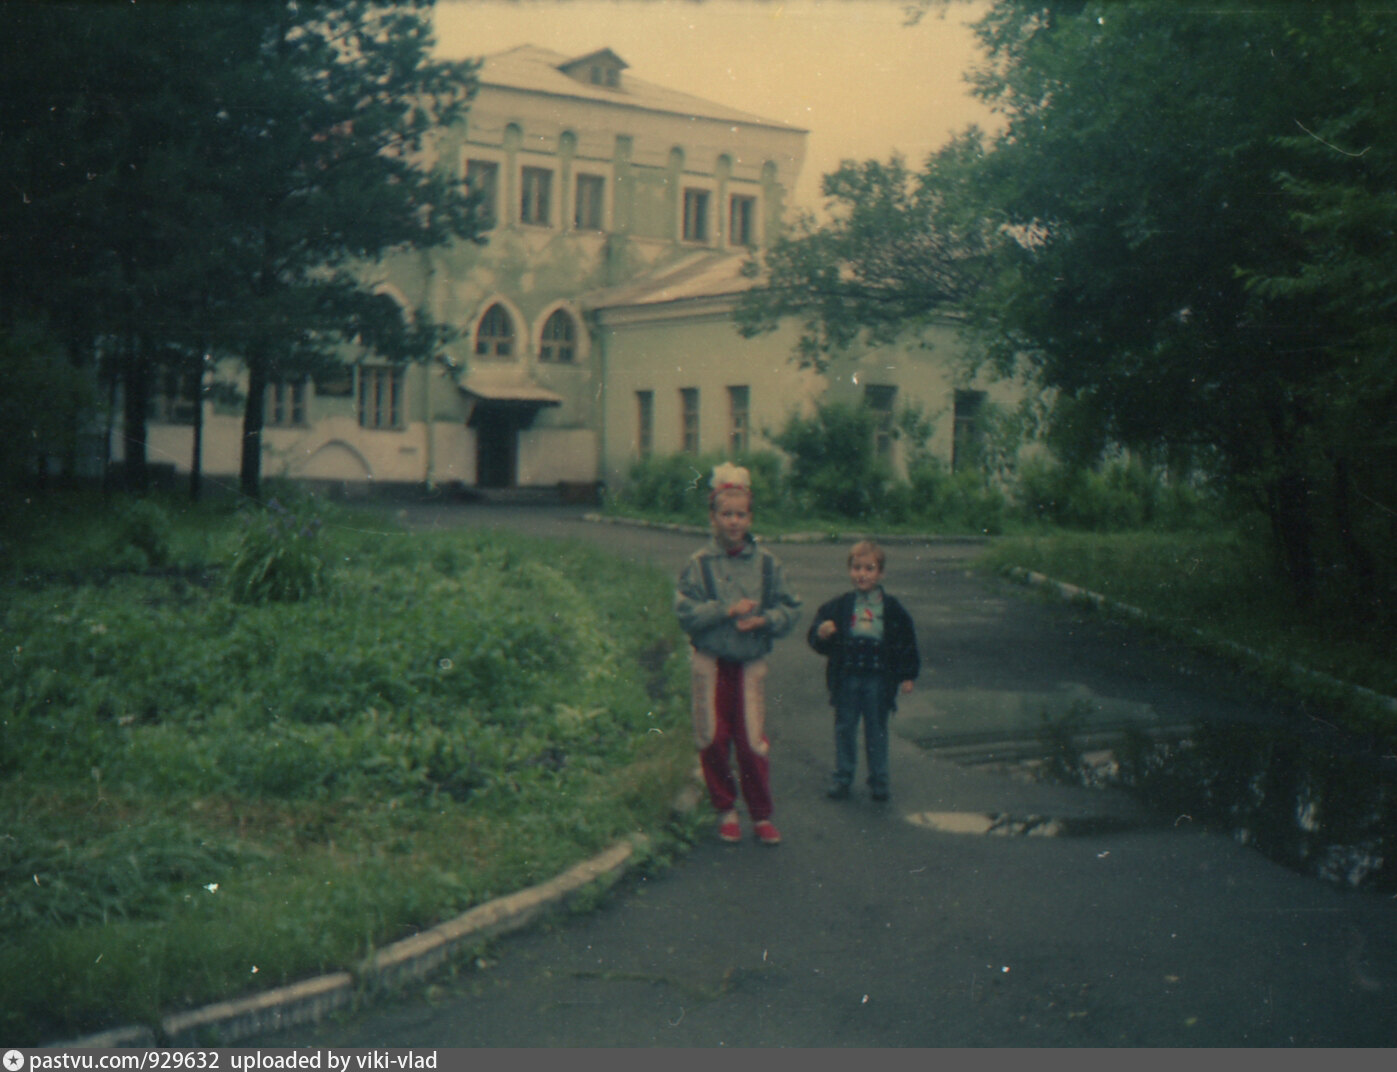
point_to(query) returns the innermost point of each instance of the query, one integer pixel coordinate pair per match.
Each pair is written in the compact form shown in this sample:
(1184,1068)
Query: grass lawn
(205,793)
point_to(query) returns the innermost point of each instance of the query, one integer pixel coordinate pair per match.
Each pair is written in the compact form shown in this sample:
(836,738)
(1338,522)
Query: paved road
(874,926)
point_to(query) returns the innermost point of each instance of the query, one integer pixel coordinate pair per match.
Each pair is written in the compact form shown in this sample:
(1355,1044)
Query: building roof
(710,274)
(540,70)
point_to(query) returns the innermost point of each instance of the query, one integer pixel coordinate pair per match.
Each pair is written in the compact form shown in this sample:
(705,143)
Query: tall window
(588,213)
(286,404)
(881,399)
(689,419)
(742,221)
(967,442)
(645,423)
(559,340)
(739,399)
(695,215)
(380,396)
(495,335)
(536,186)
(483,179)
(176,398)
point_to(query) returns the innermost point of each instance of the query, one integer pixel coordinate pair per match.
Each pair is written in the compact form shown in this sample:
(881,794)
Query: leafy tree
(219,178)
(1181,232)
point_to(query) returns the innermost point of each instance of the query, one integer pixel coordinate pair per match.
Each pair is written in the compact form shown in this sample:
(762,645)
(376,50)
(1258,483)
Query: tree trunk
(254,415)
(1293,530)
(136,400)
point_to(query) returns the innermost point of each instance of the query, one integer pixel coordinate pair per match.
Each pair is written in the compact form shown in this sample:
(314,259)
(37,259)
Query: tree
(1153,237)
(196,178)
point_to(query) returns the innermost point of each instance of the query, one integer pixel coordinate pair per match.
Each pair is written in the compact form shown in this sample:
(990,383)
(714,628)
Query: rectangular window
(967,440)
(380,396)
(881,399)
(645,423)
(739,401)
(535,203)
(483,180)
(588,211)
(742,221)
(689,419)
(695,215)
(286,405)
(176,398)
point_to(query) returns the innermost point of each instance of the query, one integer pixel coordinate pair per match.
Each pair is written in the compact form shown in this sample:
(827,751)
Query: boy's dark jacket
(901,661)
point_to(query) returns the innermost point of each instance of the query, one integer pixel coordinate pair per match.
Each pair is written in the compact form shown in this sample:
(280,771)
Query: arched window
(494,337)
(559,341)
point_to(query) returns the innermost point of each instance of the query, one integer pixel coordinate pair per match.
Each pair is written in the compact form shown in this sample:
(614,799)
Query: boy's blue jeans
(860,697)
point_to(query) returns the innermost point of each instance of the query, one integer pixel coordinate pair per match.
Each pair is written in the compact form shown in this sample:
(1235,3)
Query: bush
(835,471)
(1117,496)
(678,484)
(279,558)
(141,536)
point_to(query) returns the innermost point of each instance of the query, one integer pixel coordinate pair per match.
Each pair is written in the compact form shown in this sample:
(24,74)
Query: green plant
(280,557)
(142,534)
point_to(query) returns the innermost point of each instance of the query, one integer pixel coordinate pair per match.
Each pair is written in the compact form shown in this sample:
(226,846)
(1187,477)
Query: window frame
(691,222)
(494,169)
(397,382)
(548,344)
(739,418)
(750,203)
(599,207)
(531,205)
(690,441)
(275,405)
(509,340)
(645,423)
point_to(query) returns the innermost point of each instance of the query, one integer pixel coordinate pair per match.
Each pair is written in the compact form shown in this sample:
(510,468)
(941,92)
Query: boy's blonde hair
(868,549)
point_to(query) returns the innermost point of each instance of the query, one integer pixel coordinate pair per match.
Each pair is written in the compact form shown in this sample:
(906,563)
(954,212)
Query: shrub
(678,484)
(141,536)
(280,557)
(835,470)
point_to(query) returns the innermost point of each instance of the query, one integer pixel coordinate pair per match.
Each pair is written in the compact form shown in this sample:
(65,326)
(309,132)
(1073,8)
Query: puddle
(1001,824)
(1319,804)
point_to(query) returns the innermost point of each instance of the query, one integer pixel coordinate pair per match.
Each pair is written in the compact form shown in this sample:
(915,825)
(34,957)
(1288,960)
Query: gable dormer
(601,68)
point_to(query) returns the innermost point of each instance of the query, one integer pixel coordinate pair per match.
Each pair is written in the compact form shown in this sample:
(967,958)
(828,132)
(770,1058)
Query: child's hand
(742,608)
(827,629)
(746,625)
(906,687)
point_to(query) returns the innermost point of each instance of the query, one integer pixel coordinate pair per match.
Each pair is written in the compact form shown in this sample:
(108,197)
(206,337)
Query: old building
(595,323)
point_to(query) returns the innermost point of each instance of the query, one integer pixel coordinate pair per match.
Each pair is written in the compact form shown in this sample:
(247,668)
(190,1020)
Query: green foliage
(280,556)
(202,786)
(835,470)
(678,484)
(1116,496)
(141,535)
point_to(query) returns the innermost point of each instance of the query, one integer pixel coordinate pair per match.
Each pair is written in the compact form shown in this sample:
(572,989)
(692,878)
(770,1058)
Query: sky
(849,71)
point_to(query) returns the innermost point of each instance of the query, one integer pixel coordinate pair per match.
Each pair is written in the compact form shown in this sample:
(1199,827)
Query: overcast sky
(849,71)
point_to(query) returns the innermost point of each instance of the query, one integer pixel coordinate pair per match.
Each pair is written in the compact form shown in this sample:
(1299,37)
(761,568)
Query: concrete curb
(793,537)
(1250,656)
(225,1022)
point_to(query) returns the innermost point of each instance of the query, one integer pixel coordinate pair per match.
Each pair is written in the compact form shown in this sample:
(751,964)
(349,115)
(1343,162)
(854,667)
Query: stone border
(1072,593)
(408,960)
(791,537)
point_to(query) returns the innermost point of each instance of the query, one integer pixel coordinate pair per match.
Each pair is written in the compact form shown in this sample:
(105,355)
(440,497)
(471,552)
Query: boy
(732,601)
(871,645)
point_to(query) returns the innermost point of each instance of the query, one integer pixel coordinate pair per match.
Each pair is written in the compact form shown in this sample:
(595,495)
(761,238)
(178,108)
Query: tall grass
(1224,584)
(204,794)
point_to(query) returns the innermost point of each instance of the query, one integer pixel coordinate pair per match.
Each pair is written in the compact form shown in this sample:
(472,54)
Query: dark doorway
(496,447)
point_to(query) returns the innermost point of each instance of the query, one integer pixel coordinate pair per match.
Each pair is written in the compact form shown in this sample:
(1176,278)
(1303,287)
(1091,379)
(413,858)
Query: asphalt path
(880,925)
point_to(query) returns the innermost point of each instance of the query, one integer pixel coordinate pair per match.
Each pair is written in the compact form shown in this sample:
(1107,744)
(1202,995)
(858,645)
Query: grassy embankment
(202,796)
(1217,590)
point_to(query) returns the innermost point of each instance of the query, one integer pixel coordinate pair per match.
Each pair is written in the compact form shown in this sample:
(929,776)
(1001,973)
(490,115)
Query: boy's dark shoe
(837,792)
(879,795)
